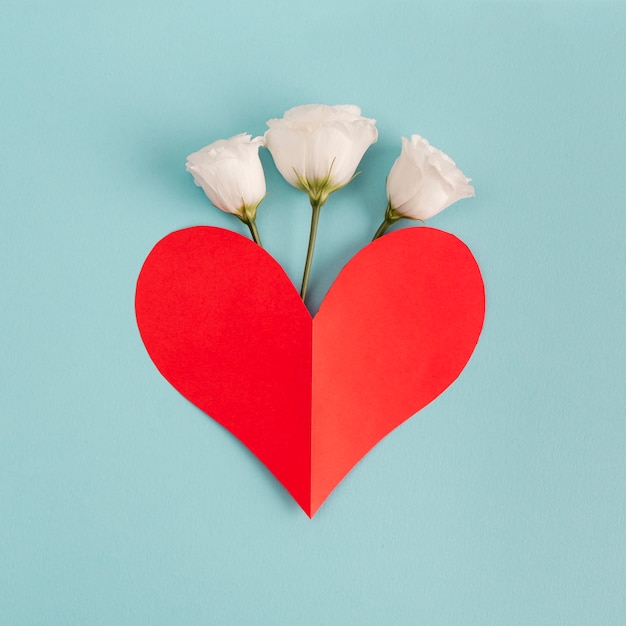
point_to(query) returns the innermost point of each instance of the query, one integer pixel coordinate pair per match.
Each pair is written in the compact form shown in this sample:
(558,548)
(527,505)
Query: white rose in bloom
(424,181)
(231,174)
(317,147)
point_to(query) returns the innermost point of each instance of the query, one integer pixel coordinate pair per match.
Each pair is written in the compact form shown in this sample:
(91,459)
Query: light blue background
(503,502)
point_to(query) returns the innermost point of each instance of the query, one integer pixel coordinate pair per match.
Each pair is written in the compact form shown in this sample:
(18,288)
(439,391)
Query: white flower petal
(424,181)
(230,172)
(314,140)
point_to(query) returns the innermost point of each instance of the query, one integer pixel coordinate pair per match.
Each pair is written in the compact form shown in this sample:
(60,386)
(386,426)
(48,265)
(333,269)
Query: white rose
(424,181)
(317,147)
(231,174)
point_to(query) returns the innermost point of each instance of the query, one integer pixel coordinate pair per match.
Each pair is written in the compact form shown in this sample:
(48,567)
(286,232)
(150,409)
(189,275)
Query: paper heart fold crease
(310,396)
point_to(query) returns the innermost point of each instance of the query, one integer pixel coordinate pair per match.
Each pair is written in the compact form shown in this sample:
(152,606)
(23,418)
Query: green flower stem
(382,228)
(254,231)
(390,217)
(315,206)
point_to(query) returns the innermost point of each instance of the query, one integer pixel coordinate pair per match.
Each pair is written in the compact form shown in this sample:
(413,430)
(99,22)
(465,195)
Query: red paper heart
(310,396)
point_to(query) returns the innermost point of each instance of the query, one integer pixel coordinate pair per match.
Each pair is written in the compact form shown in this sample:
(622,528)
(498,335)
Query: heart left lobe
(224,325)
